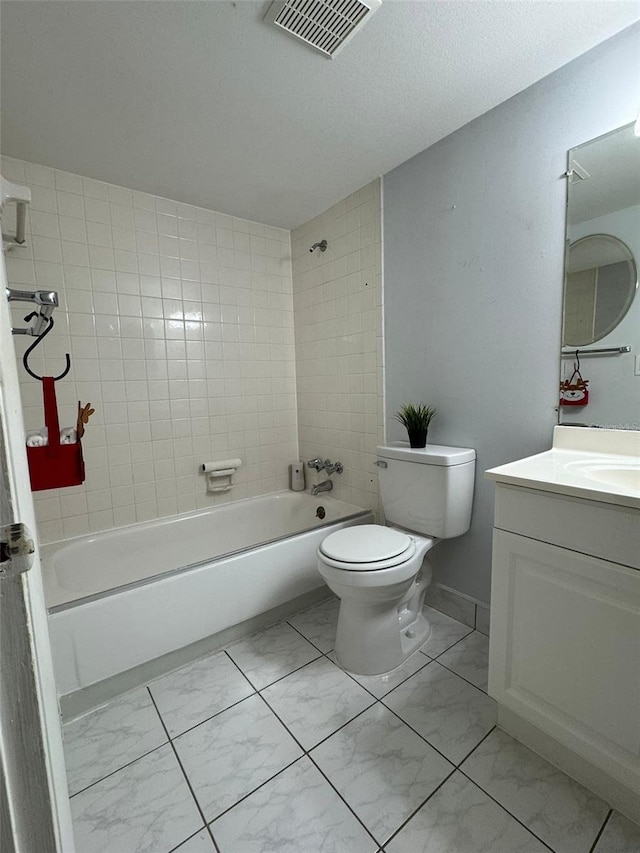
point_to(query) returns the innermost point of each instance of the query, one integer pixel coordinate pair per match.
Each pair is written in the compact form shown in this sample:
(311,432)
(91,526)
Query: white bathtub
(124,597)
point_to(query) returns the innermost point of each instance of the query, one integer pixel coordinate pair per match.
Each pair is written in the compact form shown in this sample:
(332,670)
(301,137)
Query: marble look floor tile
(316,700)
(460,818)
(200,843)
(318,624)
(146,807)
(620,836)
(380,685)
(470,659)
(382,768)
(297,812)
(451,714)
(229,756)
(198,691)
(273,653)
(106,739)
(558,810)
(445,631)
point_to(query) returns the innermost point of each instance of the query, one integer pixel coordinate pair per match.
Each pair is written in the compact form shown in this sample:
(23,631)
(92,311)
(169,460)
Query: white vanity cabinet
(565,633)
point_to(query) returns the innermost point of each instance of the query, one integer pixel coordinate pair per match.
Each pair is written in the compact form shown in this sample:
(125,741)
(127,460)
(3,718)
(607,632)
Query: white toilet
(379,573)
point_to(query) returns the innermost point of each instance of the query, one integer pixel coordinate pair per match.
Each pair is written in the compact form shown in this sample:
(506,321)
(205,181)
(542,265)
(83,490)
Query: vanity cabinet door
(565,649)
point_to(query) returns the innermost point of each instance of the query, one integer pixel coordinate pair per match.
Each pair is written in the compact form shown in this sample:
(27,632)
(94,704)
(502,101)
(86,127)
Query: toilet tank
(428,490)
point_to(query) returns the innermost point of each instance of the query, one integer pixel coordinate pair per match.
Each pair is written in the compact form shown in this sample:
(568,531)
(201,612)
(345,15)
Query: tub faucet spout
(324,486)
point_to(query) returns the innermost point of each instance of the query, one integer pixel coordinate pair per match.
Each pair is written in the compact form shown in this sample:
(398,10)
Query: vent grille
(325,25)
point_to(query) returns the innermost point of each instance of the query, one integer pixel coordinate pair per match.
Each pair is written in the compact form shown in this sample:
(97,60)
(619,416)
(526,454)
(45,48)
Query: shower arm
(21,196)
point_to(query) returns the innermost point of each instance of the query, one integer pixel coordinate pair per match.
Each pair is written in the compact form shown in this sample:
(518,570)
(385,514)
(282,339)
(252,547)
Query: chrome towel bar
(571,353)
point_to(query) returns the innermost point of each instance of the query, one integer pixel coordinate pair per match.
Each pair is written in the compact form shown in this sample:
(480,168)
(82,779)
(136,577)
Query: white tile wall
(179,322)
(337,297)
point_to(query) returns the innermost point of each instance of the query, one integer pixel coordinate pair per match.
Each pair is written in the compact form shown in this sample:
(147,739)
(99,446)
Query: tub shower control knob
(333,467)
(16,550)
(318,464)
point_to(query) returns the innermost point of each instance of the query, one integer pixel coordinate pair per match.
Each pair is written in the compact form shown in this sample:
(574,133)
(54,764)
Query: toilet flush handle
(381,463)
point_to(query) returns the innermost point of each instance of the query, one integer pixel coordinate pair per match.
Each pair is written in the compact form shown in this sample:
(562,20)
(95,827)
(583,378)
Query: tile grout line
(306,753)
(117,770)
(602,829)
(423,803)
(378,698)
(253,791)
(471,751)
(177,849)
(504,808)
(381,699)
(477,784)
(453,645)
(277,716)
(280,677)
(186,778)
(323,774)
(455,642)
(453,672)
(415,731)
(212,717)
(315,645)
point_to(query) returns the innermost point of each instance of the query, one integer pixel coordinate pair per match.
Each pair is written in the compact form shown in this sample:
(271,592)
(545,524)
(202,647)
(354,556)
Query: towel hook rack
(38,340)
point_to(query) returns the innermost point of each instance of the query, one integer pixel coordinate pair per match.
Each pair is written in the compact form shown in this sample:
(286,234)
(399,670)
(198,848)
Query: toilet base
(374,638)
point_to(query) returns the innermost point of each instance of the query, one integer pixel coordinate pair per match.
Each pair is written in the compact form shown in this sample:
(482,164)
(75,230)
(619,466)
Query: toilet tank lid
(432,454)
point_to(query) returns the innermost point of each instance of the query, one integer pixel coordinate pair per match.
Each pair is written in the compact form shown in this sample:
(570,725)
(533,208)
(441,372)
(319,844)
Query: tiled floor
(270,748)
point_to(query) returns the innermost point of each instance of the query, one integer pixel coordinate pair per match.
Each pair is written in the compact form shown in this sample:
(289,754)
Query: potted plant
(416,420)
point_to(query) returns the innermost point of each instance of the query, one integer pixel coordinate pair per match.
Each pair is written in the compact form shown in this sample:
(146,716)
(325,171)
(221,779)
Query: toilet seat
(366,548)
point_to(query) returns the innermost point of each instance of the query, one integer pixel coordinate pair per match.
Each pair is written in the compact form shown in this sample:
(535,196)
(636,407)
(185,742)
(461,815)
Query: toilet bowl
(380,622)
(380,573)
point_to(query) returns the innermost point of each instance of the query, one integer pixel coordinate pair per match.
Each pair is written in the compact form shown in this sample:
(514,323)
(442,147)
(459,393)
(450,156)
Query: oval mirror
(601,281)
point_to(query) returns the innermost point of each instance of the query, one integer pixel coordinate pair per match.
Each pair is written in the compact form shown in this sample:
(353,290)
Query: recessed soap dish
(219,474)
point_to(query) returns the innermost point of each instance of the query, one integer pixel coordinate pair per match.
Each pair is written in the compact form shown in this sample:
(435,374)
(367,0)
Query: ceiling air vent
(326,25)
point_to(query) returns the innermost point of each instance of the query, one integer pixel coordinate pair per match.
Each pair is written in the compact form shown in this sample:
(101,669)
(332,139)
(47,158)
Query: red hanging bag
(54,465)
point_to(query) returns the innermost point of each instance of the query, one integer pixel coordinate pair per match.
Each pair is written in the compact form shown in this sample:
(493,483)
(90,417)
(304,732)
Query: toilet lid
(365,543)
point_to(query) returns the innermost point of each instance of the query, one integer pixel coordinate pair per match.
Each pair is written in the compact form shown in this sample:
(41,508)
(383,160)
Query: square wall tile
(114,256)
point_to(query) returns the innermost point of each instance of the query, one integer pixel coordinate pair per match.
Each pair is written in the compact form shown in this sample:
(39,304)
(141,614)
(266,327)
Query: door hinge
(16,550)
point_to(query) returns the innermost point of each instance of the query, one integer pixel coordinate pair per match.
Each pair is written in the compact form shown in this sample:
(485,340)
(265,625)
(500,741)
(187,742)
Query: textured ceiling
(205,103)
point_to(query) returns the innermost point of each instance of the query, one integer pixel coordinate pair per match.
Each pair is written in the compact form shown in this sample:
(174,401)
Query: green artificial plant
(416,419)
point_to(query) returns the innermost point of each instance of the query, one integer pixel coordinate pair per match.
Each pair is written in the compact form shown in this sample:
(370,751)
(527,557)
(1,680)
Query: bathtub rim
(49,549)
(97,596)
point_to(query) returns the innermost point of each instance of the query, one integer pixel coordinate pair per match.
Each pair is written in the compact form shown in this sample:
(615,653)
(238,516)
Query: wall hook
(38,341)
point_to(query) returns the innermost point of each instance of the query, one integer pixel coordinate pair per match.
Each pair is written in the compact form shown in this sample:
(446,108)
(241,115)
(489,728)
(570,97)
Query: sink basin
(602,465)
(626,477)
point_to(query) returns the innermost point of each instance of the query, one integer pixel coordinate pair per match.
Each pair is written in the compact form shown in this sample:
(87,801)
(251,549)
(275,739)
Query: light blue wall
(473,270)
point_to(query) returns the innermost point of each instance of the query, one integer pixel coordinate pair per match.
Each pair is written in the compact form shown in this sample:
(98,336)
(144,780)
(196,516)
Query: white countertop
(601,465)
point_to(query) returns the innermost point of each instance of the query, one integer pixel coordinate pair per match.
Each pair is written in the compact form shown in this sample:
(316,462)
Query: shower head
(322,245)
